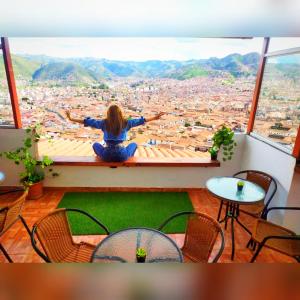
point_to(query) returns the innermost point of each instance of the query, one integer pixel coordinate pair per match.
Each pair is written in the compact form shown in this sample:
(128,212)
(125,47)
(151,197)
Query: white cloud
(137,49)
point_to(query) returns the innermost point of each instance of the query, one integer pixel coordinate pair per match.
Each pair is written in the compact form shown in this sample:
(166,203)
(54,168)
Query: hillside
(63,71)
(188,72)
(23,67)
(88,70)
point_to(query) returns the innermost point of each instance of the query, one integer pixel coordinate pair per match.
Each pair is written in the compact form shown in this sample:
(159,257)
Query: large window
(199,83)
(278,111)
(6,114)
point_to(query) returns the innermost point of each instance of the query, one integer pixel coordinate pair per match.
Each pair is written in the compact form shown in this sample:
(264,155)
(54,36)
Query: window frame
(259,78)
(4,46)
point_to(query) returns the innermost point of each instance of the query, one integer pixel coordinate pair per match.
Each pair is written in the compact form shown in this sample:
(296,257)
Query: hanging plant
(224,137)
(33,168)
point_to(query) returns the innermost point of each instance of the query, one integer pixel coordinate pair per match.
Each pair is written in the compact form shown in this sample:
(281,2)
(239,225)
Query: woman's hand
(68,114)
(159,115)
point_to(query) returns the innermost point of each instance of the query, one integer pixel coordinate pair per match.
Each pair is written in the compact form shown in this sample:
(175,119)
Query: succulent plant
(141,252)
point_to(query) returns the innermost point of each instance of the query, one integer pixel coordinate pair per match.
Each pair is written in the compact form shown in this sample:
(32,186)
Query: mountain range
(88,70)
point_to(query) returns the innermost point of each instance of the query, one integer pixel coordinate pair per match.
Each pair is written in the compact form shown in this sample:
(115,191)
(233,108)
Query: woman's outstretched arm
(157,117)
(68,114)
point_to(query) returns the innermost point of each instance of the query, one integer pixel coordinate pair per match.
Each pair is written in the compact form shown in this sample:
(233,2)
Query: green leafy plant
(33,172)
(141,252)
(224,137)
(241,183)
(213,152)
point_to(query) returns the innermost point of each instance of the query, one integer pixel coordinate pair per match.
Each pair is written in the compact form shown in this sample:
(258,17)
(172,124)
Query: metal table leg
(232,211)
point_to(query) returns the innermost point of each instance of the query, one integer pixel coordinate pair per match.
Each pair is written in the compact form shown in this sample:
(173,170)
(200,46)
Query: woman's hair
(115,120)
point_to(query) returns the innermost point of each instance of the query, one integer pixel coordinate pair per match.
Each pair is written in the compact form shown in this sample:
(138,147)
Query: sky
(136,49)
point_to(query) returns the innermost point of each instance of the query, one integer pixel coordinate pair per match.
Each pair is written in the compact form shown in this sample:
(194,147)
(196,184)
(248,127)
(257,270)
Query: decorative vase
(35,191)
(240,188)
(213,156)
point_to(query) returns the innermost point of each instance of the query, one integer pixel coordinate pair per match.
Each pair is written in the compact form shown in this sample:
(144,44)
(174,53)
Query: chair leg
(6,254)
(250,242)
(297,258)
(256,253)
(25,225)
(220,210)
(226,217)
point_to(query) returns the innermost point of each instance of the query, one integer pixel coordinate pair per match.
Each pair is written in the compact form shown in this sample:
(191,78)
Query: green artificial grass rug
(120,210)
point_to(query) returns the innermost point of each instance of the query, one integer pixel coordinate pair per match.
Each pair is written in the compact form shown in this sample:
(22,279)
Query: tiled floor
(17,243)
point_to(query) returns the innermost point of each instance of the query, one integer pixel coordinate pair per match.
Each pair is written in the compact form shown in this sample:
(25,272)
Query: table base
(233,212)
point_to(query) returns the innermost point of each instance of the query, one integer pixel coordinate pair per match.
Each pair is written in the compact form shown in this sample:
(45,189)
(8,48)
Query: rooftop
(67,147)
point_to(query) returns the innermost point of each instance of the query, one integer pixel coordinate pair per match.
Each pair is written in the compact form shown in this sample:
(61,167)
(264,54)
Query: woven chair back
(201,234)
(11,214)
(260,179)
(54,234)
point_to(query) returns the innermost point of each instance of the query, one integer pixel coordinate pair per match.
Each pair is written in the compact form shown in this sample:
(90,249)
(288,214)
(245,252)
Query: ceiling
(193,18)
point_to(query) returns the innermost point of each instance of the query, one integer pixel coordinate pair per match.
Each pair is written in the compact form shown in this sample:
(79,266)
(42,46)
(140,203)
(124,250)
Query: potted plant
(223,137)
(33,175)
(213,152)
(240,185)
(141,255)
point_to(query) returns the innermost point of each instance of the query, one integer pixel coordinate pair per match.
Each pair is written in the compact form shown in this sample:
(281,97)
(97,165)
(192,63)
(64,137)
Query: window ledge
(135,162)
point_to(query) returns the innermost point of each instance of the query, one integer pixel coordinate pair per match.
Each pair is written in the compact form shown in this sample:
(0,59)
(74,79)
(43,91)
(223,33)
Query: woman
(115,128)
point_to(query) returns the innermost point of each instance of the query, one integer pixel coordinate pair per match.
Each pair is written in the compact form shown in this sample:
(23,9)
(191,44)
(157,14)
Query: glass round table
(121,246)
(225,188)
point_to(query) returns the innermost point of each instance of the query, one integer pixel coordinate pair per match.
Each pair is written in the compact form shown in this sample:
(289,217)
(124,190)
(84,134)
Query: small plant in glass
(213,152)
(141,255)
(240,185)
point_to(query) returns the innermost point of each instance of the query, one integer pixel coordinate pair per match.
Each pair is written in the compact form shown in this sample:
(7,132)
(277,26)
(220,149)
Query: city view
(198,93)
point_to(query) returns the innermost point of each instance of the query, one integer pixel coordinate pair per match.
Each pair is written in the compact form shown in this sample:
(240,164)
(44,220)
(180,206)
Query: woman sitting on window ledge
(115,128)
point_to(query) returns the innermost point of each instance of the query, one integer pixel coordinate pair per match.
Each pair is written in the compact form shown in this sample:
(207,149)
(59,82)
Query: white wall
(10,139)
(263,157)
(292,218)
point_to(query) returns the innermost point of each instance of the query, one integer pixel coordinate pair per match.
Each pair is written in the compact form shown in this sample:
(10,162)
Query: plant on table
(33,174)
(141,255)
(213,152)
(240,185)
(223,137)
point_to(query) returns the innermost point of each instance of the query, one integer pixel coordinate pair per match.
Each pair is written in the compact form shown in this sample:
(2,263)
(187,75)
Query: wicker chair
(9,215)
(276,237)
(200,236)
(54,234)
(267,182)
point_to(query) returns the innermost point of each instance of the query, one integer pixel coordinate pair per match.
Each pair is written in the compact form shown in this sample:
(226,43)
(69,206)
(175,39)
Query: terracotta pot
(35,191)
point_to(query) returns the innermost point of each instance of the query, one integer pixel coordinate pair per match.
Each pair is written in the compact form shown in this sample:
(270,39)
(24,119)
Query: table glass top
(226,188)
(121,246)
